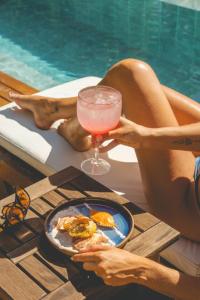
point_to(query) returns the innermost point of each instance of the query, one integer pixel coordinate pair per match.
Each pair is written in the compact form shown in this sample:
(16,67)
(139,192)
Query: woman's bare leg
(47,110)
(72,131)
(167,175)
(186,110)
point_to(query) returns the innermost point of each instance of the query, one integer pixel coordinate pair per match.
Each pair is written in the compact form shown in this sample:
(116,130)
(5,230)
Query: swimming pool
(44,43)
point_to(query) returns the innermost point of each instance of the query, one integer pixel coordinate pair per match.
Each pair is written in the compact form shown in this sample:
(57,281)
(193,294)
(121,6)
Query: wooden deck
(12,170)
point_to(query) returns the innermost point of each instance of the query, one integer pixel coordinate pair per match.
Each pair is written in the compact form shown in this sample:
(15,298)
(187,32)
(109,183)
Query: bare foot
(42,108)
(72,131)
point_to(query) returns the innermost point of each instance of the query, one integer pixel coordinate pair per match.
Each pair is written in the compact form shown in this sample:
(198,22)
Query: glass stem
(96,141)
(96,154)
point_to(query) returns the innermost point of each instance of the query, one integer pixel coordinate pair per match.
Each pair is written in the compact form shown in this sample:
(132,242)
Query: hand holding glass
(98,110)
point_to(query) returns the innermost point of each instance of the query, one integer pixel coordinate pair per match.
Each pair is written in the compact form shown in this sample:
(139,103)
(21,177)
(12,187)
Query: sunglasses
(15,212)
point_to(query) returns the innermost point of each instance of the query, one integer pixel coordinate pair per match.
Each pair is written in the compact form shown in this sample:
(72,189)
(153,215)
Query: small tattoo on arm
(55,108)
(186,141)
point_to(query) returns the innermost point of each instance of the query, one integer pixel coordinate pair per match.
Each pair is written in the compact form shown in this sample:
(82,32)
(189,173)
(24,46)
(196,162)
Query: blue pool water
(48,42)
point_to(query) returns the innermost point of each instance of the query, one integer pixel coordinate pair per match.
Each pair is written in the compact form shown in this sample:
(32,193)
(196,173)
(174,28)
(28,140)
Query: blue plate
(117,236)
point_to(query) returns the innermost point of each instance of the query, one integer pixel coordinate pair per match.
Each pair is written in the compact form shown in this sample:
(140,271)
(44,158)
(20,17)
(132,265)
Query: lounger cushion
(49,153)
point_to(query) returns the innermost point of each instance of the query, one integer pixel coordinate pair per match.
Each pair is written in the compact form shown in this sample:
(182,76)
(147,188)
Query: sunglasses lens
(15,215)
(23,198)
(2,225)
(5,209)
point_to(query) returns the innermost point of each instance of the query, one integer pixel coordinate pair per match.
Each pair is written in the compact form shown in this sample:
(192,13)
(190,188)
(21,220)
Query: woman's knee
(129,69)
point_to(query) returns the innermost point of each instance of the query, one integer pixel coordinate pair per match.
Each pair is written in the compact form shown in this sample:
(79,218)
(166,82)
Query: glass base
(92,167)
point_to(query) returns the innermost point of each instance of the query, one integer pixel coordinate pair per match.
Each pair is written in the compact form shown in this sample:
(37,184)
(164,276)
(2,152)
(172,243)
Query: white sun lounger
(48,152)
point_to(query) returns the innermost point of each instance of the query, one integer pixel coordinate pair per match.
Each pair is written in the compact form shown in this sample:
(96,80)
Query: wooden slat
(3,189)
(145,220)
(60,270)
(40,272)
(47,184)
(12,175)
(22,167)
(41,207)
(25,169)
(52,182)
(23,251)
(69,191)
(133,208)
(22,233)
(4,91)
(62,266)
(59,262)
(3,101)
(135,233)
(7,242)
(17,284)
(15,84)
(152,240)
(34,221)
(65,292)
(94,189)
(54,198)
(56,261)
(4,295)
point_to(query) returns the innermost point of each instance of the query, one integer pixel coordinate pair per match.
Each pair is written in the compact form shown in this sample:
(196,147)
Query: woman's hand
(127,133)
(119,267)
(115,266)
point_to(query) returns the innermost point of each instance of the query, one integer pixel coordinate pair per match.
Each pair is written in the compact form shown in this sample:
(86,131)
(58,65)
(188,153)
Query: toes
(21,100)
(35,104)
(16,96)
(25,101)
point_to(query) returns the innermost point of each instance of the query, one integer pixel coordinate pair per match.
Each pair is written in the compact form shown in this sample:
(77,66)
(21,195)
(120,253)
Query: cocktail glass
(98,111)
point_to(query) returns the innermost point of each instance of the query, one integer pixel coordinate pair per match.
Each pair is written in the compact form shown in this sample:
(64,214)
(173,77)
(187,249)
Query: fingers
(90,266)
(96,268)
(108,280)
(96,248)
(118,280)
(91,254)
(113,134)
(99,270)
(86,257)
(15,96)
(108,147)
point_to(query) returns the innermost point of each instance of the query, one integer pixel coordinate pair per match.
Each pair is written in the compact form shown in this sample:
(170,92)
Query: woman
(163,126)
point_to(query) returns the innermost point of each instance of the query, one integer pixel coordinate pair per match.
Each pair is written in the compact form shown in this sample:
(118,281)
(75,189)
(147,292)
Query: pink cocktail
(98,110)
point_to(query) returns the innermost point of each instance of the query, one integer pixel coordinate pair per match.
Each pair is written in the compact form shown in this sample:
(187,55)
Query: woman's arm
(119,267)
(172,282)
(185,137)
